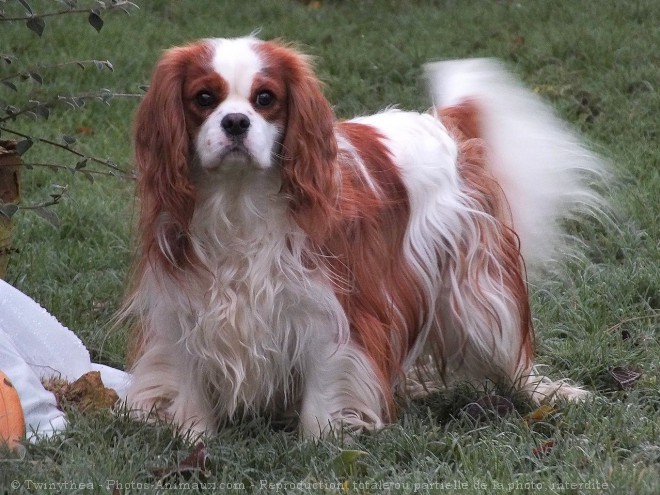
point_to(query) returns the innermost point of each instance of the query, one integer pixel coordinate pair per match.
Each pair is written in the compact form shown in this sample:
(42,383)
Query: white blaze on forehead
(237,62)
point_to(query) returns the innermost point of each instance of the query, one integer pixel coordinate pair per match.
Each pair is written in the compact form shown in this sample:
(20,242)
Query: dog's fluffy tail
(546,172)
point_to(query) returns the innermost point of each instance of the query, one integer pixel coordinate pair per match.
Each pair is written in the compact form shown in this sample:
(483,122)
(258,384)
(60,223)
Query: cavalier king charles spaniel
(298,266)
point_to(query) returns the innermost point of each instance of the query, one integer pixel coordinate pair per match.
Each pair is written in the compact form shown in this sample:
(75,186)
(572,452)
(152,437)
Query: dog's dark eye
(265,99)
(205,99)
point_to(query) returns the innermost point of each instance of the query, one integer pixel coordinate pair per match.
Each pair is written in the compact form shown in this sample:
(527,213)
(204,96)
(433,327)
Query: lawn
(596,62)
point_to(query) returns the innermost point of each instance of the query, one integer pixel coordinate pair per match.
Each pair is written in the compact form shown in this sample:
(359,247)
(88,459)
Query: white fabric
(34,346)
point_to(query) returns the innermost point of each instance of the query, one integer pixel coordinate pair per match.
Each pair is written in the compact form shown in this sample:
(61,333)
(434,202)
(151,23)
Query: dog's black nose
(235,124)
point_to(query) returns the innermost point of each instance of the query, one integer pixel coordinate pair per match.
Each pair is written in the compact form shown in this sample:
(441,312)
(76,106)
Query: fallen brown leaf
(541,413)
(624,377)
(518,43)
(196,462)
(86,394)
(543,450)
(488,407)
(85,130)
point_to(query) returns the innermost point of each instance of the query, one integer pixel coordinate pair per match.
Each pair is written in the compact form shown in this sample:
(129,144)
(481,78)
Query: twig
(58,99)
(41,205)
(115,6)
(83,170)
(47,14)
(26,73)
(67,148)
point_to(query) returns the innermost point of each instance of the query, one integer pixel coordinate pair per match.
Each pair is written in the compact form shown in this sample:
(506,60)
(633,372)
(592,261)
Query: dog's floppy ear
(162,156)
(309,146)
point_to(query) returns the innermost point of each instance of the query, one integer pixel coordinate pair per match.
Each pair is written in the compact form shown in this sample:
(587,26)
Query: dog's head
(225,107)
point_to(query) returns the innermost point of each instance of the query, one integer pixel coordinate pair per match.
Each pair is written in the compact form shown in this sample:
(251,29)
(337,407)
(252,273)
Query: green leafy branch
(36,23)
(36,106)
(67,141)
(35,73)
(42,209)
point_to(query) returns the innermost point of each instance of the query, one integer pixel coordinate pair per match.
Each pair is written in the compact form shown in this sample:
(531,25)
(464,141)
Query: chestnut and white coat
(298,266)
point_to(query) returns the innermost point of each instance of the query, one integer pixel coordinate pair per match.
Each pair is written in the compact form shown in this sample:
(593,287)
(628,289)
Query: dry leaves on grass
(86,394)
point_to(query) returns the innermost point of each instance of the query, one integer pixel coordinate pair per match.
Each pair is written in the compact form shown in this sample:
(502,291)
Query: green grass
(597,62)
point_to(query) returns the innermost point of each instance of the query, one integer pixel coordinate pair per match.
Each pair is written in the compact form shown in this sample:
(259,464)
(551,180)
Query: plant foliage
(27,94)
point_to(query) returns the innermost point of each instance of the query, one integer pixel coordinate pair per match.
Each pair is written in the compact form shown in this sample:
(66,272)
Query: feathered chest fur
(261,301)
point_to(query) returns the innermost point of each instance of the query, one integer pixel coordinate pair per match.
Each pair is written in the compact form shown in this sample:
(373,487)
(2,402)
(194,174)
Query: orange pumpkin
(12,422)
